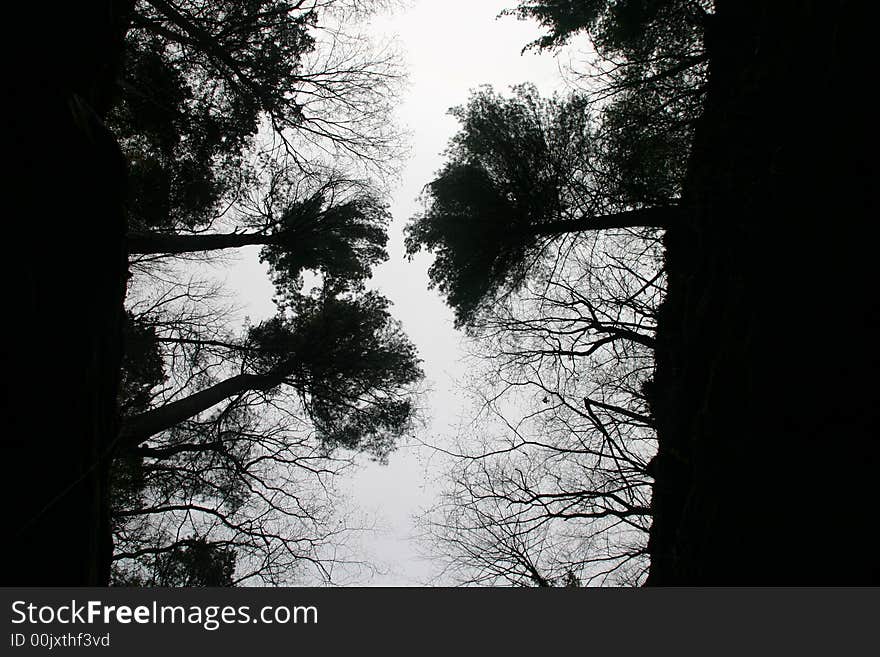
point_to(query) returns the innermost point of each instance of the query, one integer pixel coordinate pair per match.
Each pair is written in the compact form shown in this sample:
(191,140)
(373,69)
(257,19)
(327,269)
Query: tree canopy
(348,360)
(350,363)
(342,241)
(646,81)
(241,446)
(503,177)
(520,171)
(202,79)
(543,222)
(258,123)
(643,31)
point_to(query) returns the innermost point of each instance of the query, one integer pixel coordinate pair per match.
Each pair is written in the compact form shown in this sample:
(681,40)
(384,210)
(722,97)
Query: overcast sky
(450,47)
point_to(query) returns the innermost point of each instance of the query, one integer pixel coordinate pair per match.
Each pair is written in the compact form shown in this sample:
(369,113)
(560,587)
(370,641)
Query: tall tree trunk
(140,427)
(66,272)
(148,243)
(659,217)
(765,394)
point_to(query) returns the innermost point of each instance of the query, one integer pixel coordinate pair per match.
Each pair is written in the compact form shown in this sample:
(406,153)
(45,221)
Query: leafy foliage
(227,113)
(350,362)
(142,366)
(638,29)
(646,140)
(193,562)
(523,162)
(649,83)
(196,563)
(201,80)
(341,241)
(516,163)
(197,77)
(562,495)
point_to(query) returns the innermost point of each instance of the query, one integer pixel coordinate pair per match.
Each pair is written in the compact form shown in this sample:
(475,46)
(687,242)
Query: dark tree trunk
(660,217)
(140,427)
(65,275)
(147,243)
(766,395)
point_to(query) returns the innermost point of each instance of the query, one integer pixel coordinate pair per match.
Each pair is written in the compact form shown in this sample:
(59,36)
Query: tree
(190,562)
(744,421)
(201,79)
(65,281)
(528,182)
(337,231)
(230,114)
(346,358)
(521,172)
(551,480)
(251,481)
(646,78)
(243,454)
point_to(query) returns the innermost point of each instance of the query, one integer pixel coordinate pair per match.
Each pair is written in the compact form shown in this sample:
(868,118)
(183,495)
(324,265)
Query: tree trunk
(765,393)
(65,270)
(169,243)
(660,217)
(140,427)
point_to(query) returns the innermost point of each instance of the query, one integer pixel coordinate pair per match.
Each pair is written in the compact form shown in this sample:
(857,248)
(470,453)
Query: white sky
(450,47)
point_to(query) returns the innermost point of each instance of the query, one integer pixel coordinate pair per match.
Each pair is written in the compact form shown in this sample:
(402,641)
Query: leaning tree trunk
(170,243)
(766,392)
(65,276)
(656,217)
(137,429)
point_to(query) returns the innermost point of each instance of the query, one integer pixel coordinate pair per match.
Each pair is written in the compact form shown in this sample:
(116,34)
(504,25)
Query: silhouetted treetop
(637,29)
(348,361)
(177,155)
(647,82)
(200,79)
(351,364)
(251,47)
(340,237)
(197,76)
(520,171)
(341,241)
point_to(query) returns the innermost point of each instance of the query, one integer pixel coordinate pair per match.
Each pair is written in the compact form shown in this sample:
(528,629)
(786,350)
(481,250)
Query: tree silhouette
(647,80)
(754,247)
(190,562)
(340,236)
(201,78)
(346,358)
(528,183)
(240,122)
(551,477)
(244,454)
(521,172)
